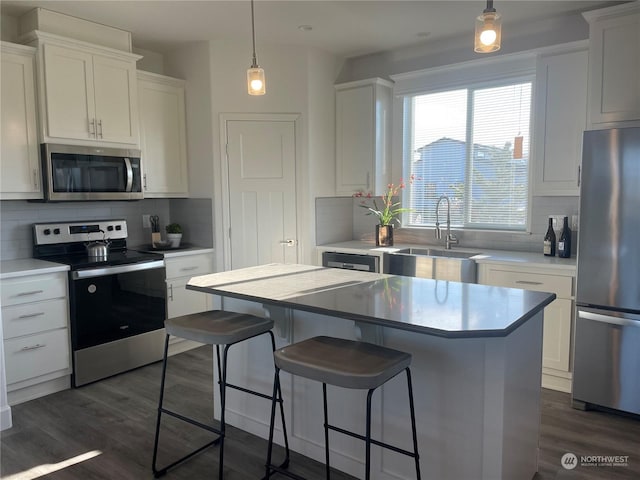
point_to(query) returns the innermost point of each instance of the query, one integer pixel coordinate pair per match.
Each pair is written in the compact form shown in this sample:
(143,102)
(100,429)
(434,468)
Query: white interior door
(261,162)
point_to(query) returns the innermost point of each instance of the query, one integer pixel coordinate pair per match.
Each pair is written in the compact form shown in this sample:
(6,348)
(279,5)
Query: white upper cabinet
(89,93)
(561,117)
(19,160)
(614,65)
(163,135)
(363,136)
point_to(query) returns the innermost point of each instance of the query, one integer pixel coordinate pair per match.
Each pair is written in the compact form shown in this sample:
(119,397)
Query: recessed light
(305,28)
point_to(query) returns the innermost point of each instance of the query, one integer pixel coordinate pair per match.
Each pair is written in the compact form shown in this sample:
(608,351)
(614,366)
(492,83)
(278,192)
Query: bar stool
(347,364)
(217,328)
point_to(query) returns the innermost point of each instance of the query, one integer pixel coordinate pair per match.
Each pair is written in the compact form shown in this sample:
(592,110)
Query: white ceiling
(343,27)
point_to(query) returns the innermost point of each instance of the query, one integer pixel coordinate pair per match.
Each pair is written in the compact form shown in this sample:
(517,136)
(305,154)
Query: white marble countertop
(29,266)
(528,259)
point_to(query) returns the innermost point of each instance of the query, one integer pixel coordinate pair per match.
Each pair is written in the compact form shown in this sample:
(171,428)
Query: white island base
(477,400)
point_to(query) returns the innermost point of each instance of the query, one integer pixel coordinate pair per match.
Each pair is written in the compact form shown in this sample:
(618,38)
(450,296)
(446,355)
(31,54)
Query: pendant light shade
(488,30)
(255,74)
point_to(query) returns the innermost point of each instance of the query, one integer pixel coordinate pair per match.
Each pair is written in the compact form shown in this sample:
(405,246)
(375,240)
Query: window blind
(472,145)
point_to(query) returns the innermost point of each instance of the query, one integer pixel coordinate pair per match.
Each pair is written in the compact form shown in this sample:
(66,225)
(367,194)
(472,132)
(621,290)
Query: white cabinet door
(614,65)
(557,334)
(115,99)
(19,160)
(561,116)
(363,122)
(181,301)
(558,316)
(90,98)
(163,135)
(69,95)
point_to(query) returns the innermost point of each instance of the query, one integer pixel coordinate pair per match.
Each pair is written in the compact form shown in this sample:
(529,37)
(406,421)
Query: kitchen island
(476,362)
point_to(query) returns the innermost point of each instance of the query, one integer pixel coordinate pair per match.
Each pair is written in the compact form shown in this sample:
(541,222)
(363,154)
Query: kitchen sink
(435,252)
(434,263)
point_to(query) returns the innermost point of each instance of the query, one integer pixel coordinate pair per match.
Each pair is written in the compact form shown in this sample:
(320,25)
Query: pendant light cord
(253,35)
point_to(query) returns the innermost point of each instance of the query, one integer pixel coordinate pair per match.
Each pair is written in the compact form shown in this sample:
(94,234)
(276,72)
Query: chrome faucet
(450,239)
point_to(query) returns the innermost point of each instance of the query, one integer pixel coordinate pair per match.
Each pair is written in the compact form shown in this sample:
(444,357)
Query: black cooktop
(75,255)
(81,260)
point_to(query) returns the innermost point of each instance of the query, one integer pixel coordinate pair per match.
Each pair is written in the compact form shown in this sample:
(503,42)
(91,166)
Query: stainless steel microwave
(72,172)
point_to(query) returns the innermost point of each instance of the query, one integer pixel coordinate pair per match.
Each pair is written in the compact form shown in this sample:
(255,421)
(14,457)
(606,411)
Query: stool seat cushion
(217,327)
(340,362)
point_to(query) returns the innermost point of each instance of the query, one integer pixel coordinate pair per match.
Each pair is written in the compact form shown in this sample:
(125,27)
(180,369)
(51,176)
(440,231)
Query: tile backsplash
(17,217)
(333,214)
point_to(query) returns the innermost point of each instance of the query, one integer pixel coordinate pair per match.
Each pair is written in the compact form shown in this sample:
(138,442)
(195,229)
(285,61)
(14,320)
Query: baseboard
(5,417)
(181,345)
(39,390)
(556,383)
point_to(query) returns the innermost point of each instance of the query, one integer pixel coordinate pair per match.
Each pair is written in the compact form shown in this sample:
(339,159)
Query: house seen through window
(471,144)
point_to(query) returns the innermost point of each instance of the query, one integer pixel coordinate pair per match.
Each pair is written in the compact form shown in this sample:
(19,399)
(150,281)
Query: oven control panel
(50,233)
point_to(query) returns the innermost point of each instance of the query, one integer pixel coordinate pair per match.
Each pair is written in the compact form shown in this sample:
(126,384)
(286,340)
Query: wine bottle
(550,241)
(564,244)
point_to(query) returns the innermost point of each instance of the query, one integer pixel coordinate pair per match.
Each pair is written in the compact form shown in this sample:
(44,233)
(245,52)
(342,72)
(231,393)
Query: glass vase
(384,235)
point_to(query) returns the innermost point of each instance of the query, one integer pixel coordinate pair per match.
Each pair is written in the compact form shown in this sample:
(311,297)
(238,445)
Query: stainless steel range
(117,297)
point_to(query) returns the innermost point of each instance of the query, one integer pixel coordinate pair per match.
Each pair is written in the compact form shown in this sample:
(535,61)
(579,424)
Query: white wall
(516,38)
(298,80)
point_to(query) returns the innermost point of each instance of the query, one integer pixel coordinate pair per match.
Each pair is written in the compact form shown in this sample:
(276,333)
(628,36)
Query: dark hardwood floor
(54,437)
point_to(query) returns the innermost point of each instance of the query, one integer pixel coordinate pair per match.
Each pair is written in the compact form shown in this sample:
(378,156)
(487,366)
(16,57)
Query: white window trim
(472,73)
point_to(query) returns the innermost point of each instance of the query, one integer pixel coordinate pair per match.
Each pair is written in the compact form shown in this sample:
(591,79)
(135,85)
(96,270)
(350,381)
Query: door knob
(288,243)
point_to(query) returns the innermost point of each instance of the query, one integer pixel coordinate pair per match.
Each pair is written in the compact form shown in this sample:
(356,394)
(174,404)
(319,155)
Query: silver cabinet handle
(32,292)
(33,347)
(526,282)
(171,292)
(579,174)
(35,178)
(31,315)
(288,243)
(144,181)
(99,132)
(92,127)
(188,269)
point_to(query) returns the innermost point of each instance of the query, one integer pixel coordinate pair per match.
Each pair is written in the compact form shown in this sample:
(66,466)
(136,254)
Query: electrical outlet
(574,223)
(146,221)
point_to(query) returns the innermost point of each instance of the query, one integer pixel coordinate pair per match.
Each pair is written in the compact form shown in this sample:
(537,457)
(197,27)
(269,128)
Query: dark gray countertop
(433,307)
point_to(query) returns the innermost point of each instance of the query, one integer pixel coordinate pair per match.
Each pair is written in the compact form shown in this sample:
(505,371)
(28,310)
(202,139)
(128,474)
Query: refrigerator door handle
(629,320)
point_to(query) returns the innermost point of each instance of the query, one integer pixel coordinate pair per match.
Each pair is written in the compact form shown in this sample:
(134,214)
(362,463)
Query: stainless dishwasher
(351,261)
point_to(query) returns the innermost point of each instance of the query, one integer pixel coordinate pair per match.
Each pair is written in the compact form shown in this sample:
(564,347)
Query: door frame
(226,207)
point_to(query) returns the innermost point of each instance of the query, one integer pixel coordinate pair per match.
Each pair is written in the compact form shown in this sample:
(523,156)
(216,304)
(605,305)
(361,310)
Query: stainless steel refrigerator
(606,369)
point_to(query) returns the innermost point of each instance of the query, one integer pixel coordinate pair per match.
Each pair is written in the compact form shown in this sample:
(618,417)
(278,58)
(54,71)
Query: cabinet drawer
(33,288)
(35,317)
(188,266)
(35,355)
(540,282)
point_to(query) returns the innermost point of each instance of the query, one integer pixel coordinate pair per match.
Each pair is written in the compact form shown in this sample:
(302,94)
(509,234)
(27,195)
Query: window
(472,145)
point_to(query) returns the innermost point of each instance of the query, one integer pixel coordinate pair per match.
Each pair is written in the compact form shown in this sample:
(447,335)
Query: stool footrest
(246,390)
(191,421)
(373,441)
(162,471)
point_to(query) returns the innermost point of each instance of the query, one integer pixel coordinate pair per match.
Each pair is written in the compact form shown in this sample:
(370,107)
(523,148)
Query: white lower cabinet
(35,326)
(558,316)
(181,301)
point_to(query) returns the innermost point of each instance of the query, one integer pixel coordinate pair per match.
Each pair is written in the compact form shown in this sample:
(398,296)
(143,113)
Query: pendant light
(488,30)
(255,74)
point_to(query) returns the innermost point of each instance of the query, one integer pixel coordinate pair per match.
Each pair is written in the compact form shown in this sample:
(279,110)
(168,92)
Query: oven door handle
(102,272)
